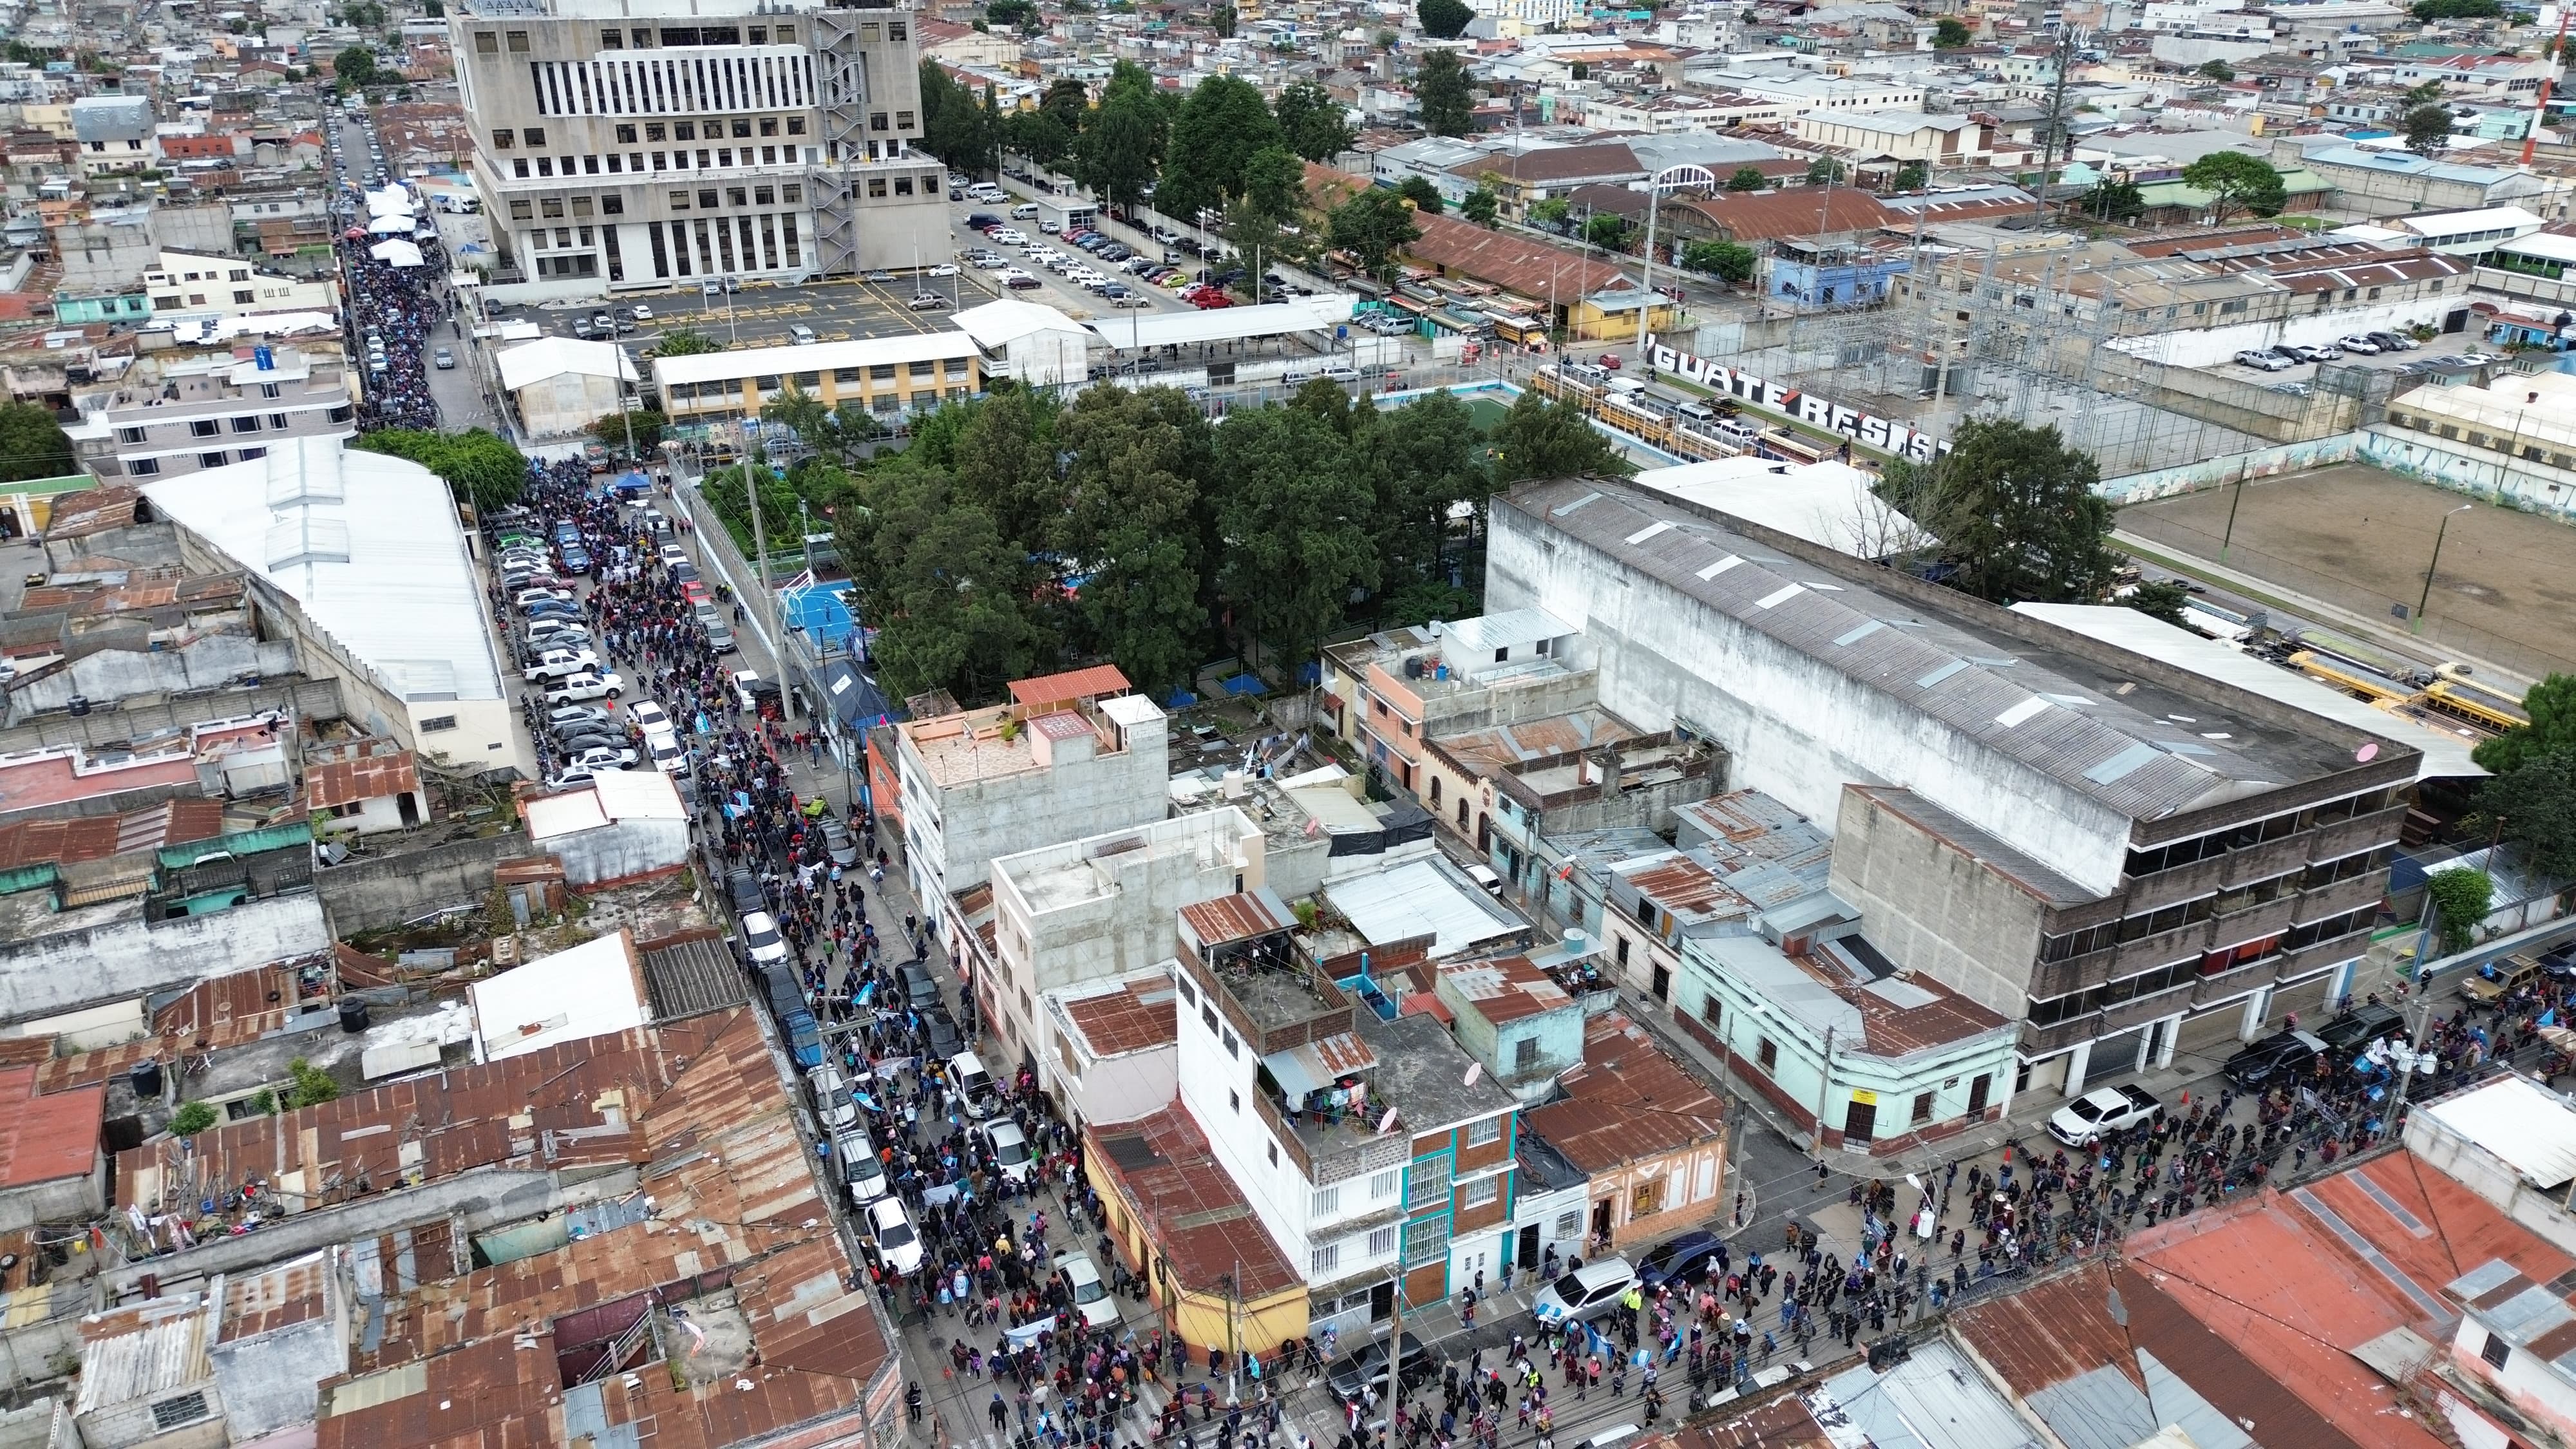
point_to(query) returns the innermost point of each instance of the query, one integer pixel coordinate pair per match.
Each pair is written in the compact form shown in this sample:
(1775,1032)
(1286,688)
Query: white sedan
(943,269)
(2100,1112)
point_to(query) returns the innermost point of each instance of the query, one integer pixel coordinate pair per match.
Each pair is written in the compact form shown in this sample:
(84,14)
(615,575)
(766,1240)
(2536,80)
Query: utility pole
(2062,57)
(2414,1035)
(2556,59)
(1824,1091)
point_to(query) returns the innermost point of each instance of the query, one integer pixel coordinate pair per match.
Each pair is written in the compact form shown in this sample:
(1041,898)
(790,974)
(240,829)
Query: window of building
(903,120)
(1646,1199)
(129,435)
(535,136)
(205,427)
(1622,950)
(142,467)
(519,168)
(626,134)
(787,35)
(487,42)
(1768,1055)
(1325,1201)
(896,30)
(2495,1353)
(1386,1184)
(1525,1054)
(796,127)
(742,130)
(174,1412)
(1922,1108)
(520,210)
(764,196)
(679,201)
(246,424)
(769,125)
(1274,1152)
(550,207)
(684,130)
(881,372)
(1426,1241)
(792,195)
(1382,1242)
(1486,1131)
(1325,1259)
(518,42)
(1480,1192)
(903,186)
(759,35)
(502,137)
(877,188)
(1234,1100)
(707,199)
(210,460)
(612,39)
(1428,1184)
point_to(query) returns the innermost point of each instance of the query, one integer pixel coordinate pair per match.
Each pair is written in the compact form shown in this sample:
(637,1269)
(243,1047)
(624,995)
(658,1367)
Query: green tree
(1608,231)
(191,1119)
(952,610)
(1826,169)
(958,126)
(2532,807)
(2551,707)
(1068,102)
(2237,182)
(1135,515)
(1424,195)
(2428,130)
(355,67)
(308,1085)
(1010,13)
(1422,461)
(2459,899)
(1441,88)
(1551,212)
(1040,135)
(2432,10)
(478,466)
(1222,126)
(1443,19)
(1120,147)
(32,444)
(1295,519)
(1006,464)
(1221,20)
(2114,201)
(2015,511)
(1274,186)
(1949,34)
(2218,70)
(1374,226)
(2424,94)
(1730,261)
(685,342)
(1746,178)
(1912,176)
(1482,206)
(646,425)
(1542,438)
(1317,126)
(2163,599)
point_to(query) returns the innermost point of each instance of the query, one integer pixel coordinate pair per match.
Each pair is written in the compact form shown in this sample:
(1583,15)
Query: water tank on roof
(146,1079)
(353,1014)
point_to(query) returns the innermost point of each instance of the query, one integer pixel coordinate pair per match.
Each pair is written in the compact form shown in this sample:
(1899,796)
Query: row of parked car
(2286,355)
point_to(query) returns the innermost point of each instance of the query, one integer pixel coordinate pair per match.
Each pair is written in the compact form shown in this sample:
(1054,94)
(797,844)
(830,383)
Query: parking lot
(2453,351)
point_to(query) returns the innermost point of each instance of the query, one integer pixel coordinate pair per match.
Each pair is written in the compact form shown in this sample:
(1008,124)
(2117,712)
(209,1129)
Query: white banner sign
(1860,427)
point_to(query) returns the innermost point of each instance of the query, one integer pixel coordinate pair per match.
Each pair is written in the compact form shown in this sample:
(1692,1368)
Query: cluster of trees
(1219,145)
(2431,10)
(480,467)
(2011,509)
(2530,803)
(1018,533)
(355,69)
(2237,182)
(32,444)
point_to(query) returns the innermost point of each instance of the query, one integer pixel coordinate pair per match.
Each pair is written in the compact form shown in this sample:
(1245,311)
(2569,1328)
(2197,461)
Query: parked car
(2393,341)
(927,301)
(837,840)
(945,1039)
(586,686)
(1090,1296)
(1684,1258)
(919,990)
(606,757)
(1010,1149)
(1365,1369)
(2277,1055)
(557,664)
(2263,361)
(2496,980)
(642,313)
(577,713)
(2099,1112)
(443,359)
(761,940)
(1586,1292)
(743,888)
(2356,342)
(581,742)
(2363,1025)
(891,1234)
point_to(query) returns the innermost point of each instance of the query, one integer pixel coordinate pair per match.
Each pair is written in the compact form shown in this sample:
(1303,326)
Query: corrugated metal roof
(1931,665)
(1933,1400)
(2530,1129)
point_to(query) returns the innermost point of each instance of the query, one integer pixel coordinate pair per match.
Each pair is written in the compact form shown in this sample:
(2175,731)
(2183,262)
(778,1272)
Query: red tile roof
(1749,216)
(46,1138)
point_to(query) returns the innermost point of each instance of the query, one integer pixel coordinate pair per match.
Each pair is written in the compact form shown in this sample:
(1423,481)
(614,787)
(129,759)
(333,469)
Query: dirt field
(2361,538)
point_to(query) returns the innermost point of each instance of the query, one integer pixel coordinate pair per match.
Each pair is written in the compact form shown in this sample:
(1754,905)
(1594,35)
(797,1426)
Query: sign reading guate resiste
(1806,407)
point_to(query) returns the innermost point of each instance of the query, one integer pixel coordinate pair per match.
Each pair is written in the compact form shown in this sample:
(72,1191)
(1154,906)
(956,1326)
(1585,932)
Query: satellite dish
(2367,753)
(1474,1070)
(1386,1121)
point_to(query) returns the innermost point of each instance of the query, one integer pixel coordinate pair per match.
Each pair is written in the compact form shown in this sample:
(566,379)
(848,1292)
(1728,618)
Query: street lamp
(2416,625)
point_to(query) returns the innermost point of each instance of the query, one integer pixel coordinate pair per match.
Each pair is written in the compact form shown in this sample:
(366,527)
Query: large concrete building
(212,411)
(641,143)
(2115,854)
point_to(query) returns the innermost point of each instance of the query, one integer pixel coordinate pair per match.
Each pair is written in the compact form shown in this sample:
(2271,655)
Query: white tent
(394,251)
(391,198)
(390,225)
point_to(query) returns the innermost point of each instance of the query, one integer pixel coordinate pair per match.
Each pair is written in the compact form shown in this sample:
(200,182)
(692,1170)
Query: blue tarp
(1244,684)
(632,483)
(1181,699)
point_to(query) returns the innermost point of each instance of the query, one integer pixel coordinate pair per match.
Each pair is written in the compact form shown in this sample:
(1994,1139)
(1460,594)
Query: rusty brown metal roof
(1506,988)
(278,1296)
(362,777)
(1629,1101)
(1199,1221)
(2049,1332)
(1232,918)
(1070,686)
(1138,1016)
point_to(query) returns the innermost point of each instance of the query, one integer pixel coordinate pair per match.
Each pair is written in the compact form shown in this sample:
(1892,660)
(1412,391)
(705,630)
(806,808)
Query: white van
(986,191)
(966,1073)
(1024,211)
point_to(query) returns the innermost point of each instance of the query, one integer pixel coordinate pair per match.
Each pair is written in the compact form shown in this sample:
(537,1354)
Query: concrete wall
(373,892)
(1935,909)
(2531,487)
(1796,728)
(2490,1177)
(974,823)
(2225,470)
(306,699)
(621,850)
(207,663)
(125,957)
(63,1200)
(268,1382)
(566,403)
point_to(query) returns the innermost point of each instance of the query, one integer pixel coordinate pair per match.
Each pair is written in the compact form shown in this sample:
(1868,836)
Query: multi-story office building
(638,143)
(213,410)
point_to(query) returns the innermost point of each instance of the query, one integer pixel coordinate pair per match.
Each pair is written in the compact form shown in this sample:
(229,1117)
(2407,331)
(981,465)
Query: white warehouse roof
(739,362)
(593,989)
(368,544)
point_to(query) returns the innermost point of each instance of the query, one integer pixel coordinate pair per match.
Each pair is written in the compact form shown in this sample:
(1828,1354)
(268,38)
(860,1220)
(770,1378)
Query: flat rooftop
(1426,1076)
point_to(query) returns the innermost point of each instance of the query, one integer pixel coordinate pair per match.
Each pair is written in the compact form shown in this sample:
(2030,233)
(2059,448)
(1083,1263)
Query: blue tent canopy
(1245,684)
